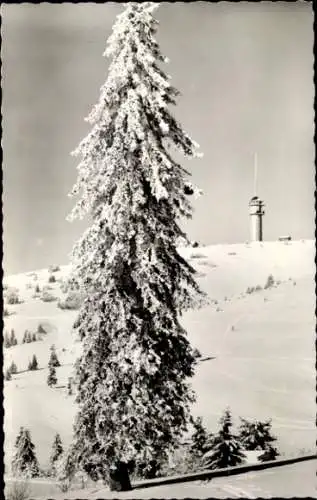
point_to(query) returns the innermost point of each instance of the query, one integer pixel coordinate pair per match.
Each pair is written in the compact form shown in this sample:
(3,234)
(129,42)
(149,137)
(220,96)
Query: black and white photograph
(158,250)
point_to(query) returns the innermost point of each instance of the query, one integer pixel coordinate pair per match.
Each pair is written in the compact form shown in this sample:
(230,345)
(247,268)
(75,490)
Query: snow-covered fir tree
(64,470)
(53,361)
(201,439)
(57,450)
(51,378)
(13,339)
(226,448)
(7,340)
(24,463)
(70,386)
(257,435)
(133,376)
(33,364)
(13,368)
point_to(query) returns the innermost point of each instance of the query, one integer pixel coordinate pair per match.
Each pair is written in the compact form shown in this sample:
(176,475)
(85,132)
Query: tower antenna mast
(255,173)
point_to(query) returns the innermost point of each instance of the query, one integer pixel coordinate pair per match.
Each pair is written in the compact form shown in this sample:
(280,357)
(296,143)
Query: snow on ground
(261,346)
(289,481)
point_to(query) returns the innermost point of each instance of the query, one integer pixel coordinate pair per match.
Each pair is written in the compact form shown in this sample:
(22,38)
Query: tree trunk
(119,479)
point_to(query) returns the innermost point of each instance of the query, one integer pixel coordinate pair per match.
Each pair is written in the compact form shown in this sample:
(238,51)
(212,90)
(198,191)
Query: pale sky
(245,71)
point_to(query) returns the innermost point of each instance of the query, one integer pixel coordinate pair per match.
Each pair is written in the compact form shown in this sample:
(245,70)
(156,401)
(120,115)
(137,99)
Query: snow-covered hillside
(258,346)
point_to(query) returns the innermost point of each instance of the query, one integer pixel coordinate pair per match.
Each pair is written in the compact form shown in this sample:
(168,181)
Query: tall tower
(256,211)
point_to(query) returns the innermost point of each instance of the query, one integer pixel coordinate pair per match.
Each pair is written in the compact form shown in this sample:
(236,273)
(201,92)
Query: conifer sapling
(52,378)
(33,364)
(13,339)
(7,340)
(201,439)
(57,450)
(226,449)
(24,463)
(257,435)
(133,391)
(53,361)
(70,386)
(13,368)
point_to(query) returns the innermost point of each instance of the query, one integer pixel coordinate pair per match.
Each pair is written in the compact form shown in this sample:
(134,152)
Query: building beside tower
(256,213)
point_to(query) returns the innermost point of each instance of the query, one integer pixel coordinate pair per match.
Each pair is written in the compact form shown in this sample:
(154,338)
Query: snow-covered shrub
(48,297)
(256,435)
(73,301)
(52,279)
(8,375)
(12,297)
(6,312)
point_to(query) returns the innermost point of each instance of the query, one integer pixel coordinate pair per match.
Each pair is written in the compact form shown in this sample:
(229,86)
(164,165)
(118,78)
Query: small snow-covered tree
(133,392)
(13,339)
(226,449)
(201,439)
(70,386)
(13,368)
(270,453)
(7,340)
(53,361)
(33,364)
(65,469)
(24,463)
(51,378)
(57,450)
(258,435)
